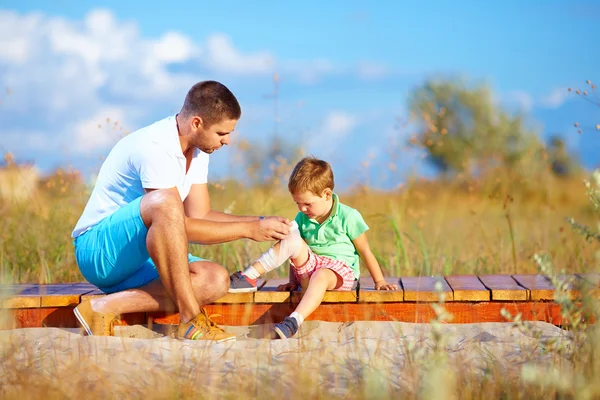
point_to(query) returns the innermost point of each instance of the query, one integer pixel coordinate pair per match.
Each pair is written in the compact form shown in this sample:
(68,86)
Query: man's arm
(197,205)
(206,226)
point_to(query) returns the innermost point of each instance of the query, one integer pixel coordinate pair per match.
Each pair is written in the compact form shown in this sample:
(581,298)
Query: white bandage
(290,247)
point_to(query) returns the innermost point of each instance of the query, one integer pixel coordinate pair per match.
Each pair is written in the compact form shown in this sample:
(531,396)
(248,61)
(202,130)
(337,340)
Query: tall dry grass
(422,228)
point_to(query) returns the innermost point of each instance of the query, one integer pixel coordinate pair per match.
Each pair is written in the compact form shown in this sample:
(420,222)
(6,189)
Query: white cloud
(221,55)
(338,124)
(70,75)
(523,100)
(371,70)
(326,138)
(102,130)
(555,98)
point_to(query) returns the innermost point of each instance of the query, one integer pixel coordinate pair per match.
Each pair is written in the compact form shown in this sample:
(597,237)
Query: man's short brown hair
(211,101)
(311,174)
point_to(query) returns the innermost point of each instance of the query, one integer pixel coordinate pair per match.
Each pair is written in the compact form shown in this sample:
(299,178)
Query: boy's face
(313,206)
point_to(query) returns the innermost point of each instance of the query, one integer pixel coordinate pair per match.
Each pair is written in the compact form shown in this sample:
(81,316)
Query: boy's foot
(240,283)
(201,327)
(93,322)
(287,328)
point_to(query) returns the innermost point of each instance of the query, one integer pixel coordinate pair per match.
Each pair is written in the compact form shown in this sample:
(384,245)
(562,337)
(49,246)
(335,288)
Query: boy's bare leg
(301,259)
(210,281)
(321,280)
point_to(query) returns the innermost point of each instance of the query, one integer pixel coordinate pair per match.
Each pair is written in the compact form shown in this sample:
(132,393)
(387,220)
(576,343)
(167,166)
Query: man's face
(214,137)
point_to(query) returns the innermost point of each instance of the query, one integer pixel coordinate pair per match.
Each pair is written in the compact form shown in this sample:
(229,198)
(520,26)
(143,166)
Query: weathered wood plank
(538,286)
(591,277)
(240,298)
(69,295)
(268,292)
(423,288)
(31,297)
(468,288)
(92,294)
(462,312)
(331,296)
(504,287)
(368,293)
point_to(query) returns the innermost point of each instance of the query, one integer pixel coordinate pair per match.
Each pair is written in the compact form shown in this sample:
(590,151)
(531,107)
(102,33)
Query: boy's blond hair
(311,174)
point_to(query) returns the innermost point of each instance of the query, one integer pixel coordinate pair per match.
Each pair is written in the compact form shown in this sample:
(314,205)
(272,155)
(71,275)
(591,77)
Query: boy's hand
(287,287)
(383,285)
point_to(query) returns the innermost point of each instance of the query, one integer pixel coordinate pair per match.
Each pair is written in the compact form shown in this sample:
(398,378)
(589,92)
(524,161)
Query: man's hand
(287,287)
(383,285)
(270,228)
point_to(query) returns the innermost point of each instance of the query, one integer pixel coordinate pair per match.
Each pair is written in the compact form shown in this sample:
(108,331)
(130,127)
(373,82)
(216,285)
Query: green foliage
(463,129)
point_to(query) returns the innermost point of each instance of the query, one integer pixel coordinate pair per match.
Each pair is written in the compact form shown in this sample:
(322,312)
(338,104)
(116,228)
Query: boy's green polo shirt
(333,238)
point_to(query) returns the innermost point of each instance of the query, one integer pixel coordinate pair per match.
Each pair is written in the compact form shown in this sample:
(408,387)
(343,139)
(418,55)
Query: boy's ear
(327,193)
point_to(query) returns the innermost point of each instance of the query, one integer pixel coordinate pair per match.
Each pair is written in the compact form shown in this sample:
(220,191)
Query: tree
(561,162)
(464,130)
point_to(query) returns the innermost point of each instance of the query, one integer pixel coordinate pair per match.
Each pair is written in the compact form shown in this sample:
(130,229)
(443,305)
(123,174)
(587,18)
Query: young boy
(323,247)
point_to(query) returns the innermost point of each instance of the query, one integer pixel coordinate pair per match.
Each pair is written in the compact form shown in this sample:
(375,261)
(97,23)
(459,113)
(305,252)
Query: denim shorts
(112,254)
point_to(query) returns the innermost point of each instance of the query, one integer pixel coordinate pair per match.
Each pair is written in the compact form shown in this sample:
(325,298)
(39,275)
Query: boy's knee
(292,245)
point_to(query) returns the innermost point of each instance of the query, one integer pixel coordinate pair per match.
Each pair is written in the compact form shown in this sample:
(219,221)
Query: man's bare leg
(163,214)
(210,281)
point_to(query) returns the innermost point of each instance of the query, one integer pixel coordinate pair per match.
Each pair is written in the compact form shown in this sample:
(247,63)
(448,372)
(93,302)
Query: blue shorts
(112,254)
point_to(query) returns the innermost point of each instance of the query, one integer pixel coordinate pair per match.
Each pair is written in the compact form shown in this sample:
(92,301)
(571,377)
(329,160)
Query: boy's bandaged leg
(290,247)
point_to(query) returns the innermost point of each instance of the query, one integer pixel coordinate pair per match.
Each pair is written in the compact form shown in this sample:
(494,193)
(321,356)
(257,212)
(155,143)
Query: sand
(325,358)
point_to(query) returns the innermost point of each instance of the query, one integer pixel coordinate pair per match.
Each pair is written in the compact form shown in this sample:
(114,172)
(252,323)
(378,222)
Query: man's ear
(197,122)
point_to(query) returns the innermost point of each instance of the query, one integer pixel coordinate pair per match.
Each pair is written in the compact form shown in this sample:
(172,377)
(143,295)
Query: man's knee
(210,280)
(164,203)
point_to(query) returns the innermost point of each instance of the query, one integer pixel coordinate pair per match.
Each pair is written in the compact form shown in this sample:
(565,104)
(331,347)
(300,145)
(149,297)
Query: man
(150,200)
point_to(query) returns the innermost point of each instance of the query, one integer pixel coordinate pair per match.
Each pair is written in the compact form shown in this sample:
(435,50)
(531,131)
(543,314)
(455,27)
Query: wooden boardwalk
(468,298)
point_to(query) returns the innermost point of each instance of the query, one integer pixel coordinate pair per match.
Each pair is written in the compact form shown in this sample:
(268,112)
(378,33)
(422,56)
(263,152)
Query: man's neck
(185,147)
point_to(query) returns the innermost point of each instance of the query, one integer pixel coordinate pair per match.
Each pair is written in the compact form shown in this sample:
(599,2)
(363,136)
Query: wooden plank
(236,298)
(31,297)
(504,287)
(92,294)
(538,286)
(368,294)
(423,288)
(462,312)
(574,285)
(468,288)
(69,295)
(591,277)
(331,296)
(590,283)
(268,292)
(239,298)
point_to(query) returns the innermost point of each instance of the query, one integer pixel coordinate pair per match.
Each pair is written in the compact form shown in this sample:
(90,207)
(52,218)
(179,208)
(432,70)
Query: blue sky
(345,70)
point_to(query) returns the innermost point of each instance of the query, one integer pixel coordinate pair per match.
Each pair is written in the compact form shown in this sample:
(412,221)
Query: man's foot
(203,328)
(93,322)
(287,328)
(240,283)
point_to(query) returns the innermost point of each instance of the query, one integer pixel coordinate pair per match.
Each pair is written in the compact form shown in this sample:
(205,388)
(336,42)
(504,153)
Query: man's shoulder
(155,129)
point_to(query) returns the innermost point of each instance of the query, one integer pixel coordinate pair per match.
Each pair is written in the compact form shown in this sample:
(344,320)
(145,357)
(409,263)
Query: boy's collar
(334,209)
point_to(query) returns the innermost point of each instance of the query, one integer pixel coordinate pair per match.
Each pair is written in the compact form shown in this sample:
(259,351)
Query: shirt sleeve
(155,167)
(355,224)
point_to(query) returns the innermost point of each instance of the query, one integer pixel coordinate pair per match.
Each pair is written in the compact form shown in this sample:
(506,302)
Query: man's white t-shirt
(149,158)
